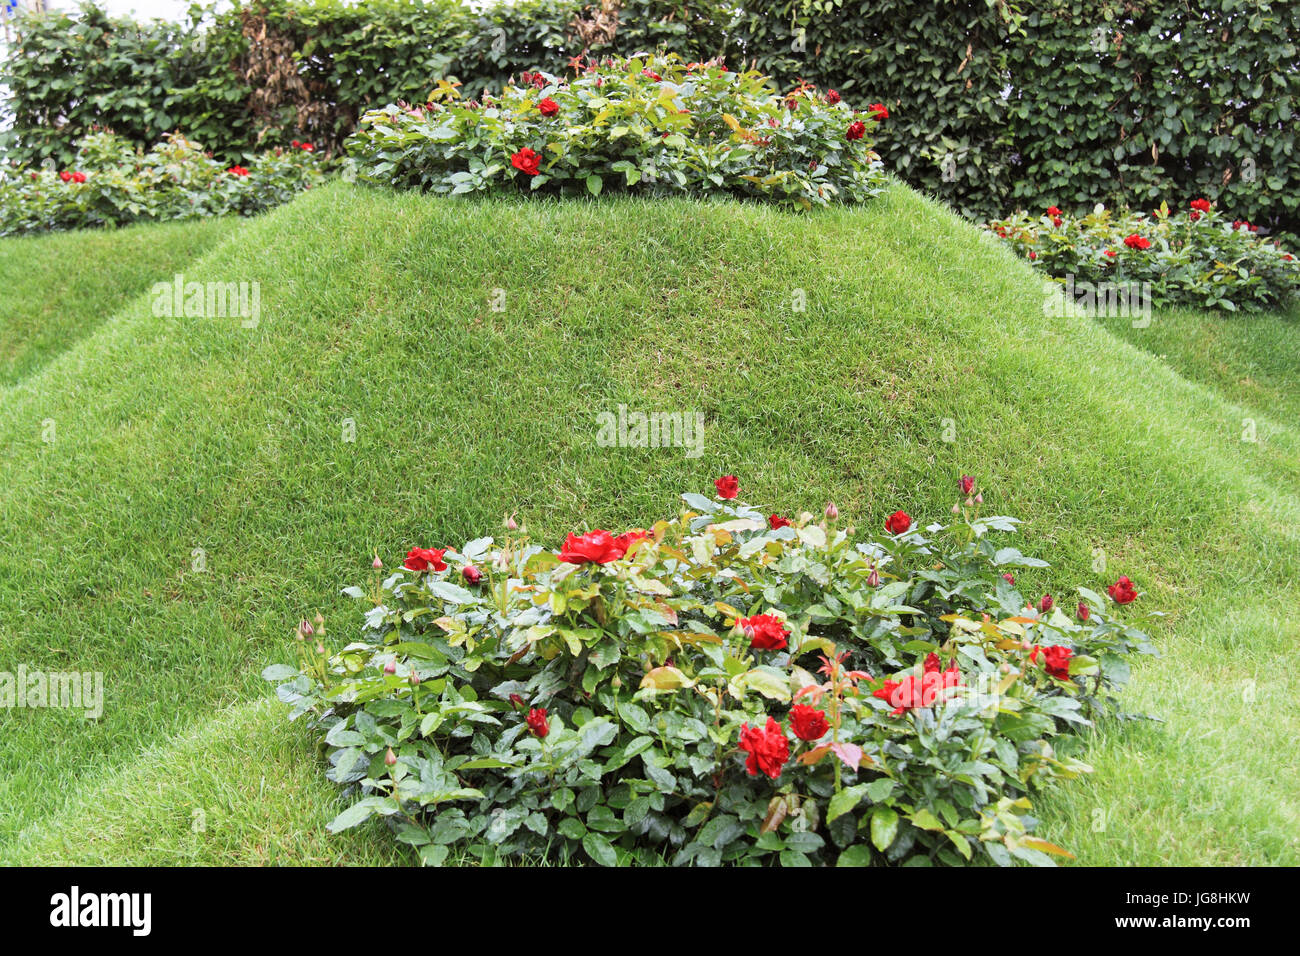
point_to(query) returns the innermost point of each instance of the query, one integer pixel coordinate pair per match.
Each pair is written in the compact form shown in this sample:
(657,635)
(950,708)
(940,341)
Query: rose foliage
(655,125)
(1196,256)
(713,690)
(111,183)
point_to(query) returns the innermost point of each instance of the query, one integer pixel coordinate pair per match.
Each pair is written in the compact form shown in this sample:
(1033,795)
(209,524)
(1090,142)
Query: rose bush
(713,690)
(1192,257)
(655,125)
(113,184)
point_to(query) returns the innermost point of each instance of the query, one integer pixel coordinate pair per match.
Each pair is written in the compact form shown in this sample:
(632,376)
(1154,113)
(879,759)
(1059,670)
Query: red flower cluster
(898,522)
(68,177)
(768,748)
(1137,242)
(879,111)
(526,161)
(306,147)
(1056,660)
(537,721)
(912,691)
(599,546)
(1122,591)
(1201,205)
(237,171)
(728,486)
(765,632)
(425,559)
(808,723)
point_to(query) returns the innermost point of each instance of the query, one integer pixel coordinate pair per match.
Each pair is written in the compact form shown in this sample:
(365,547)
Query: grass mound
(211,483)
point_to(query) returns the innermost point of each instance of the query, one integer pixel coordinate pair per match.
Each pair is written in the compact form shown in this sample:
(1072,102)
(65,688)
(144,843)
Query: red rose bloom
(1046,603)
(237,171)
(1083,612)
(767,747)
(1032,254)
(913,691)
(856,130)
(471,574)
(808,723)
(548,107)
(1137,242)
(1056,221)
(594,547)
(1194,215)
(307,146)
(1201,204)
(65,176)
(537,721)
(832,97)
(967,484)
(879,111)
(776,521)
(526,161)
(728,486)
(1110,252)
(1009,578)
(1122,591)
(1053,211)
(932,664)
(424,559)
(898,522)
(765,632)
(78,177)
(1056,660)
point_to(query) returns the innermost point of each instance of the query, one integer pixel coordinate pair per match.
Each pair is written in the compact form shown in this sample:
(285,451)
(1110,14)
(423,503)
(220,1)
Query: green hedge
(994,104)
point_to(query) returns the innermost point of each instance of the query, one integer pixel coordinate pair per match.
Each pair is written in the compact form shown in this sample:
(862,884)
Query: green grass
(58,288)
(183,434)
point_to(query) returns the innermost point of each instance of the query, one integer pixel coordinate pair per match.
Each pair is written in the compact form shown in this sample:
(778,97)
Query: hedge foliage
(1163,100)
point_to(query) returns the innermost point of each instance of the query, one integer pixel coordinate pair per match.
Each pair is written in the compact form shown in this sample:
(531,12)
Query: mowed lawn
(209,484)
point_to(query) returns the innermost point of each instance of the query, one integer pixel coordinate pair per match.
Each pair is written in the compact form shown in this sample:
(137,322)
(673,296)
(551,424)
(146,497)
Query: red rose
(307,146)
(1110,252)
(295,144)
(1202,204)
(1122,591)
(765,632)
(625,540)
(471,574)
(767,747)
(526,161)
(1009,578)
(65,176)
(548,107)
(237,171)
(1137,242)
(808,723)
(728,487)
(1194,215)
(1056,221)
(537,721)
(913,691)
(967,484)
(1032,254)
(879,111)
(517,701)
(652,75)
(594,547)
(1046,603)
(856,130)
(78,177)
(1056,660)
(1053,211)
(424,559)
(1083,612)
(776,521)
(932,664)
(832,97)
(898,522)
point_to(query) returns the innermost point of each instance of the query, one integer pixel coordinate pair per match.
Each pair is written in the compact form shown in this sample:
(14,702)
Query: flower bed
(1192,257)
(111,184)
(654,125)
(724,687)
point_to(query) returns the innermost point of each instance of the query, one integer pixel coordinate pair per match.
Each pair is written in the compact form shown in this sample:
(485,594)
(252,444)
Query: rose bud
(390,758)
(1009,578)
(510,523)
(413,679)
(1045,603)
(1005,668)
(305,629)
(1084,612)
(376,564)
(831,511)
(979,498)
(471,574)
(517,701)
(956,509)
(873,579)
(1025,645)
(390,667)
(967,484)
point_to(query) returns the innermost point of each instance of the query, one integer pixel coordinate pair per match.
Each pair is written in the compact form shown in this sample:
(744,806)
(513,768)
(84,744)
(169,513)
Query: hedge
(994,104)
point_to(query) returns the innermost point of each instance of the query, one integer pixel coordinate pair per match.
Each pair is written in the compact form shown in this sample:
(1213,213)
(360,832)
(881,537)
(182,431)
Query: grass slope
(59,287)
(184,434)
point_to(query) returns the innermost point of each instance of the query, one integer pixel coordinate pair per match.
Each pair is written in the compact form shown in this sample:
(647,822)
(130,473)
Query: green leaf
(599,849)
(844,801)
(595,184)
(884,827)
